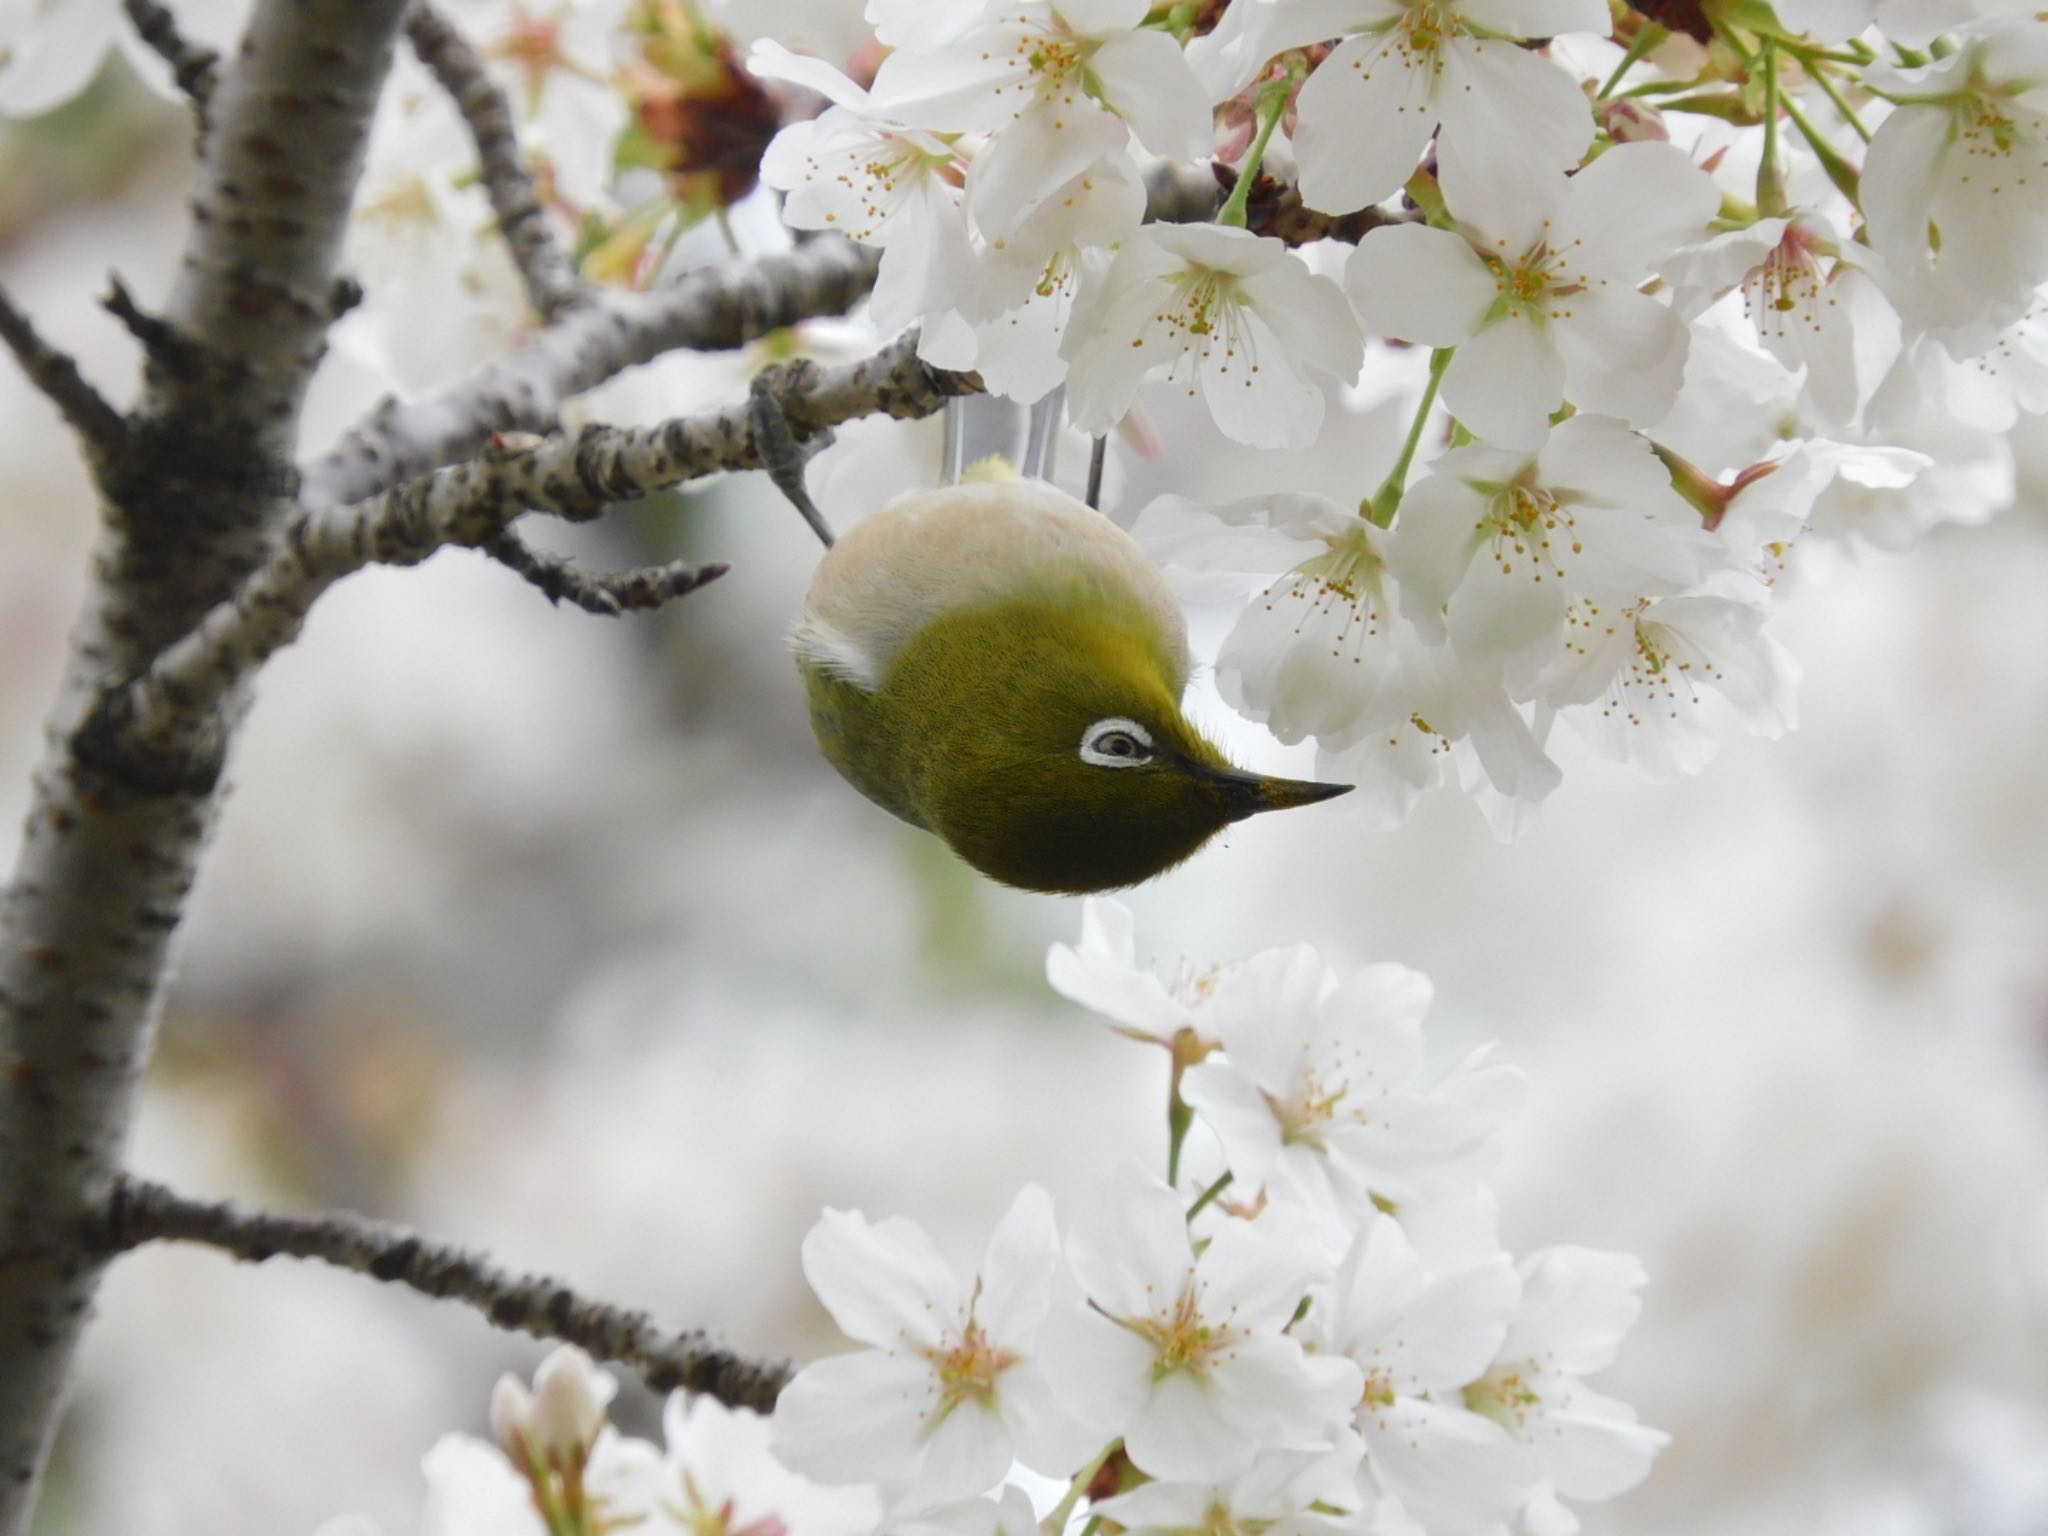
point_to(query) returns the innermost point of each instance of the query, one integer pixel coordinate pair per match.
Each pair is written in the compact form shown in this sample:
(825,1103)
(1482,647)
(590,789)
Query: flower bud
(554,1426)
(511,1413)
(1628,121)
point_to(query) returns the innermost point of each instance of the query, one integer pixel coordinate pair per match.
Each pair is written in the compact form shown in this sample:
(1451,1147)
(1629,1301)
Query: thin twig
(194,68)
(163,344)
(607,594)
(551,281)
(725,305)
(139,1211)
(57,376)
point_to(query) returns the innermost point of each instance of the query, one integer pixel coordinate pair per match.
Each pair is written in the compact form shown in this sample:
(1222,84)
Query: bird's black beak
(1247,794)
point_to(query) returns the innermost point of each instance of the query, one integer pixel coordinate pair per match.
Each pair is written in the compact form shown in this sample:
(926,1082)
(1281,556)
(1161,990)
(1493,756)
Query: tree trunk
(201,480)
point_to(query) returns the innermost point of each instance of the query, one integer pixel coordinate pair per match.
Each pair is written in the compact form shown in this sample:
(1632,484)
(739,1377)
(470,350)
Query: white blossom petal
(1146,80)
(1505,382)
(883,1282)
(1419,284)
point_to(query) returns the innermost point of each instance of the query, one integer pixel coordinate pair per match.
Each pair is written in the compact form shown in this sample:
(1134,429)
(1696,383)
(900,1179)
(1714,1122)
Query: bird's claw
(782,453)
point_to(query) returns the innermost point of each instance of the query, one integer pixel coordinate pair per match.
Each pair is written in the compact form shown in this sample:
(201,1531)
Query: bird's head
(1061,759)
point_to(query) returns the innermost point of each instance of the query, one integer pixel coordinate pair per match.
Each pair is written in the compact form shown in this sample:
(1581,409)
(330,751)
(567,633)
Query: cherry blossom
(1577,1306)
(1952,182)
(1323,653)
(1102,973)
(557,1423)
(1321,1089)
(1413,67)
(1810,299)
(1653,683)
(1774,501)
(557,1463)
(556,61)
(1538,289)
(952,1387)
(1185,1352)
(441,295)
(1057,84)
(869,177)
(1493,546)
(1229,313)
(1283,1493)
(1269,1366)
(1011,326)
(1988,388)
(719,1477)
(1420,1340)
(1310,654)
(1437,714)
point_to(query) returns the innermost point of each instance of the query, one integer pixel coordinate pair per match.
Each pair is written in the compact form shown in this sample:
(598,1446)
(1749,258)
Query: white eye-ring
(1116,743)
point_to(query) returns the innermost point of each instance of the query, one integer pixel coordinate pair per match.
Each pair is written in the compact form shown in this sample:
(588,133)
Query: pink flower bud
(1631,122)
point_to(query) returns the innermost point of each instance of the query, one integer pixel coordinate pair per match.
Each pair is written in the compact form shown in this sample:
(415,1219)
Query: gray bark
(113,835)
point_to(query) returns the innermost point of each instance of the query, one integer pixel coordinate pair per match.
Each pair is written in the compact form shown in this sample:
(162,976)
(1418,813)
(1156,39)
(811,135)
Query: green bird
(1000,664)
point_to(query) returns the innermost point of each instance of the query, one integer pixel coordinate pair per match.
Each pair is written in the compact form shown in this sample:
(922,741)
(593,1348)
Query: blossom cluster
(1687,313)
(1323,1335)
(1676,308)
(556,1466)
(1308,1324)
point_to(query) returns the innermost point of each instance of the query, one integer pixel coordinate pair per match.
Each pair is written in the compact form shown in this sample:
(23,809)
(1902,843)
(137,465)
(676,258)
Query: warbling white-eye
(999,663)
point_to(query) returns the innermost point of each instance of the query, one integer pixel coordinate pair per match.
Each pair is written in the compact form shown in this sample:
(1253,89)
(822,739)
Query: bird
(1000,664)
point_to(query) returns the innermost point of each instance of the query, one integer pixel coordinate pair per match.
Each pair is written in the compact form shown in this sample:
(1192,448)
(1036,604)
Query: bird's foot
(782,452)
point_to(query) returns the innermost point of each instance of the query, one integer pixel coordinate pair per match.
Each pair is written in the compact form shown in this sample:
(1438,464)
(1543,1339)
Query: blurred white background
(554,935)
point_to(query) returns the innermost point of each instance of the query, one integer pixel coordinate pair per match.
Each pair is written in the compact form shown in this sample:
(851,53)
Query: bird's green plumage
(975,733)
(969,720)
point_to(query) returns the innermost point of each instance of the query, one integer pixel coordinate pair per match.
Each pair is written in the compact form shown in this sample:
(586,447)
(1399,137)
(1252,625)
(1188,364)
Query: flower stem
(1178,1119)
(1770,172)
(1056,1521)
(1815,61)
(1640,44)
(1202,1200)
(1386,501)
(1273,97)
(1844,175)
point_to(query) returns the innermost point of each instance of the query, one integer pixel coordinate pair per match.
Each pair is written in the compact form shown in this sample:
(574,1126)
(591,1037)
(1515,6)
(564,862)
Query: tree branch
(715,308)
(169,712)
(138,1212)
(1191,194)
(193,501)
(194,68)
(551,282)
(56,375)
(606,594)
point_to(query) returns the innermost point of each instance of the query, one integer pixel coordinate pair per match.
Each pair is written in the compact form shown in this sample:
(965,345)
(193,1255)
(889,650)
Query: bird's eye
(1116,743)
